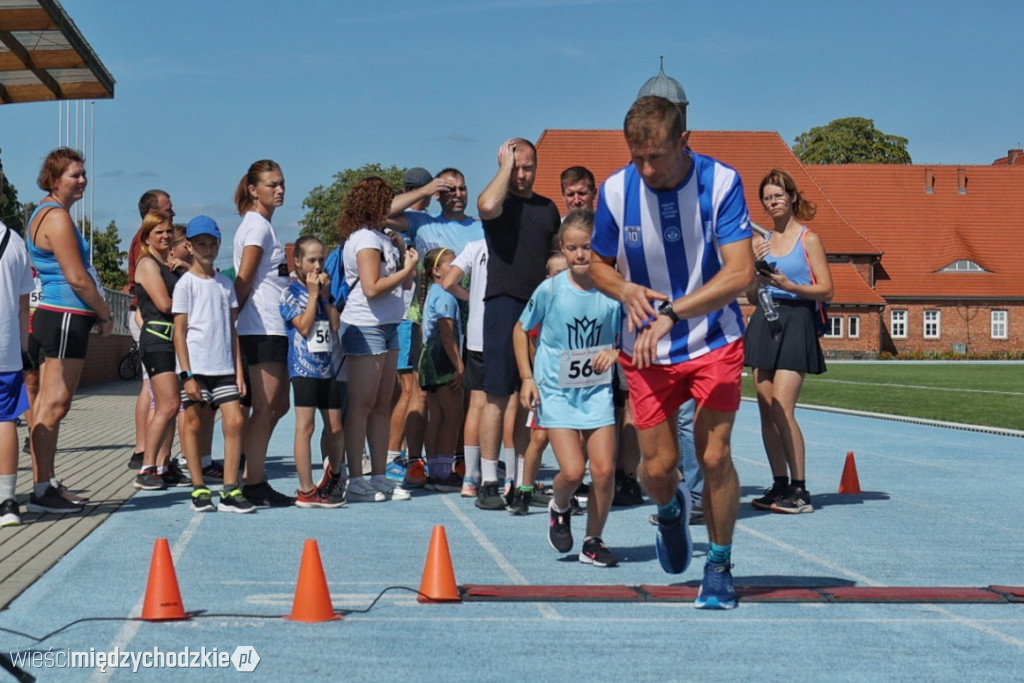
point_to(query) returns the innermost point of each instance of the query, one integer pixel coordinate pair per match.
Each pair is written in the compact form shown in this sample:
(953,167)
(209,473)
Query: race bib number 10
(576,369)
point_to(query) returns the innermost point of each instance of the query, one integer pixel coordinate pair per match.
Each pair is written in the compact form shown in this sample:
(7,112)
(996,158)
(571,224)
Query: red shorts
(658,390)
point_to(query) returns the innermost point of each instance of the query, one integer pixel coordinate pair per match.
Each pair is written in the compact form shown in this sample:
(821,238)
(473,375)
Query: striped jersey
(670,241)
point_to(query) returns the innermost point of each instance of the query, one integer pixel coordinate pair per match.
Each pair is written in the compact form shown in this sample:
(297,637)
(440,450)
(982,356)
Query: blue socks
(670,512)
(719,554)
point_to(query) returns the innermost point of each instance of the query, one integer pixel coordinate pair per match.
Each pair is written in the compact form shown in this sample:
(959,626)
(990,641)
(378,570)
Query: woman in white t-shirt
(261,274)
(377,271)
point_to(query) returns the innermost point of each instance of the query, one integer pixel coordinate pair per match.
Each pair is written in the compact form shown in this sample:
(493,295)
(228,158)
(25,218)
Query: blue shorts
(13,397)
(410,342)
(371,340)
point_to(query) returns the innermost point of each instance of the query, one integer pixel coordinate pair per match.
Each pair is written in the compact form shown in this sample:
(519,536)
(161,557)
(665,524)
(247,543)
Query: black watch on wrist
(666,309)
(185,375)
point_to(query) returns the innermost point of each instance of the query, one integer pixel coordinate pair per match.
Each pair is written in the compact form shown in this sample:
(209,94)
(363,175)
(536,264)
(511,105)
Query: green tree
(323,204)
(11,211)
(850,141)
(107,255)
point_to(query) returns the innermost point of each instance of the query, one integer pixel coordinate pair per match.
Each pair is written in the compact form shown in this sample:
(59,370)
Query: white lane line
(546,610)
(130,629)
(860,578)
(920,386)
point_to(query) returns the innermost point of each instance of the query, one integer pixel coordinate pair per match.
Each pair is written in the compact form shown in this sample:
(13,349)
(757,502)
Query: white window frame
(931,323)
(898,323)
(835,327)
(999,323)
(853,327)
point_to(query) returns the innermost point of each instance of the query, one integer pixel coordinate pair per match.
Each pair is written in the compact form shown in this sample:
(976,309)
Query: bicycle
(131,363)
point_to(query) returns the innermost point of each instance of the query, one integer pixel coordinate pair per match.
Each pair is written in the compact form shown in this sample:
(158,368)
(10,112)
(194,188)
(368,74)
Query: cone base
(333,617)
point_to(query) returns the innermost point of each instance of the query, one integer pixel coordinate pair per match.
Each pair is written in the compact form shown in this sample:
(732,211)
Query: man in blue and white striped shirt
(672,243)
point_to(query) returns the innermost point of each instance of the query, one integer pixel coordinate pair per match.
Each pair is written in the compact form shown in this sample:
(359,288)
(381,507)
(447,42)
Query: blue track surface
(940,507)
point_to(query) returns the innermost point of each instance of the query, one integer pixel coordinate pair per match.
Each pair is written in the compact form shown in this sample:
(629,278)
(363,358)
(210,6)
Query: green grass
(991,395)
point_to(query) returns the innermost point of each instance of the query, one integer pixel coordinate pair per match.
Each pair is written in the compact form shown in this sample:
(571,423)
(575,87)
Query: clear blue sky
(205,87)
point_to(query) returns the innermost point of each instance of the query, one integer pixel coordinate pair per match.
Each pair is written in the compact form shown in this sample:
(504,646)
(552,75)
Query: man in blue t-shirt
(672,243)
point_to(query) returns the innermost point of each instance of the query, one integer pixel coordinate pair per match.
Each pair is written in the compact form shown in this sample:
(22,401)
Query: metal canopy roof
(43,56)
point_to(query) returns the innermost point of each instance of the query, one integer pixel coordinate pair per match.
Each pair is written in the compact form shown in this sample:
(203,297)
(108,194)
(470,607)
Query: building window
(963,266)
(853,327)
(932,324)
(898,324)
(1000,328)
(835,326)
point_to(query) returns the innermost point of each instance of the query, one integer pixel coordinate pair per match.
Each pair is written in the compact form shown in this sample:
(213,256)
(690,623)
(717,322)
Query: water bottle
(768,307)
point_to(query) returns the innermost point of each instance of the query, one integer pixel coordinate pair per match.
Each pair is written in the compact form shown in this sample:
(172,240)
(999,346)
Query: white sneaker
(390,489)
(360,490)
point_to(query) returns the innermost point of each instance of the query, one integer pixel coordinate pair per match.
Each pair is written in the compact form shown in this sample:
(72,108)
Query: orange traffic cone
(163,599)
(850,483)
(438,583)
(312,601)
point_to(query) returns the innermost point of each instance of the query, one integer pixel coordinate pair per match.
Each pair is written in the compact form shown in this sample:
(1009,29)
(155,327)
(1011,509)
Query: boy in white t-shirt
(205,311)
(15,286)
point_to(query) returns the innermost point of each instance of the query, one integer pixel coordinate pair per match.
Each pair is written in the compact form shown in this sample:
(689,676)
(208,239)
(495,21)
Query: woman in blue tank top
(71,304)
(784,350)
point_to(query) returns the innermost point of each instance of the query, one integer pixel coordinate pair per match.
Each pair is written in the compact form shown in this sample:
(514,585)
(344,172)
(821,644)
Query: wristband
(185,375)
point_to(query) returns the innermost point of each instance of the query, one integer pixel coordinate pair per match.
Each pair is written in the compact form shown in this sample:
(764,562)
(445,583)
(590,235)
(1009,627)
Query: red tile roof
(921,233)
(752,153)
(848,287)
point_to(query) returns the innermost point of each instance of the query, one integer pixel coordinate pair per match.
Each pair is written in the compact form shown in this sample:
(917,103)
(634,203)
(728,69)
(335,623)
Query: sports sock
(393,455)
(669,512)
(488,469)
(526,488)
(39,490)
(206,461)
(800,484)
(508,456)
(781,482)
(472,456)
(719,554)
(8,482)
(520,466)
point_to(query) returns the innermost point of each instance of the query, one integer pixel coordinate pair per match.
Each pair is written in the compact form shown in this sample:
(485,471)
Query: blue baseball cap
(202,225)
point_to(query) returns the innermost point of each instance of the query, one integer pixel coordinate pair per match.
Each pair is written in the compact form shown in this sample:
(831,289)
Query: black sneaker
(202,501)
(559,530)
(520,502)
(263,496)
(771,496)
(10,513)
(488,497)
(68,494)
(213,472)
(575,507)
(135,462)
(583,493)
(541,495)
(27,447)
(595,553)
(797,501)
(173,476)
(333,488)
(627,491)
(149,480)
(235,501)
(52,501)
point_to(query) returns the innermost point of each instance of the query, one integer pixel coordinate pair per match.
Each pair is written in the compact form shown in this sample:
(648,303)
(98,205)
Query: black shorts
(263,348)
(310,392)
(620,390)
(473,379)
(501,374)
(61,334)
(215,389)
(159,358)
(34,355)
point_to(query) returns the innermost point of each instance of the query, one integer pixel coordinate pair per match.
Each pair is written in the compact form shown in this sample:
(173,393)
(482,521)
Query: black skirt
(789,343)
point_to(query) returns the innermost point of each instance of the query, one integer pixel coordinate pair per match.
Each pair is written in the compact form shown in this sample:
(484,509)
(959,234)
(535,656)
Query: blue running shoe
(673,544)
(716,590)
(395,470)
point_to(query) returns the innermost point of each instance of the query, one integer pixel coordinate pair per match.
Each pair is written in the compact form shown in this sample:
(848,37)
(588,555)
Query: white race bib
(320,340)
(576,368)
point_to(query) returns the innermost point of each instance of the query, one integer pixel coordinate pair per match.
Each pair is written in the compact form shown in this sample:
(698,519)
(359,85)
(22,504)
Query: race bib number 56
(576,369)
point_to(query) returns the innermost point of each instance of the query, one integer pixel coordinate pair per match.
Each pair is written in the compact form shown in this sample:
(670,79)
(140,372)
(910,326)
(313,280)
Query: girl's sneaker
(317,498)
(390,489)
(235,501)
(202,501)
(469,487)
(360,491)
(596,553)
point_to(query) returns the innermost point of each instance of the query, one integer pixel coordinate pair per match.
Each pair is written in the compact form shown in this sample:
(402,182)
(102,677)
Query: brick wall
(969,325)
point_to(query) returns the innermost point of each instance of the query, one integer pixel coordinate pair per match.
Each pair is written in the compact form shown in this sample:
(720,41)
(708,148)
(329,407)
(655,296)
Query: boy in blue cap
(205,309)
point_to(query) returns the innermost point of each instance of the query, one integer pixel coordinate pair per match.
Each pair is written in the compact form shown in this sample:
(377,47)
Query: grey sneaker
(52,501)
(149,480)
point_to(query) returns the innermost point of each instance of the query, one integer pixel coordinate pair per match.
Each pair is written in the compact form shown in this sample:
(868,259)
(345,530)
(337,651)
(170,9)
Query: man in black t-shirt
(520,228)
